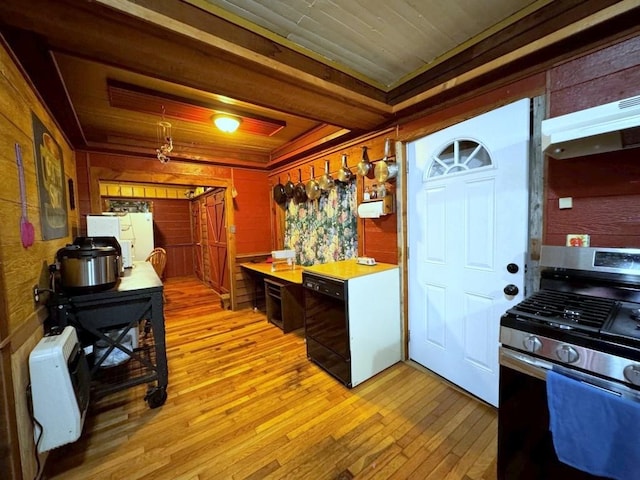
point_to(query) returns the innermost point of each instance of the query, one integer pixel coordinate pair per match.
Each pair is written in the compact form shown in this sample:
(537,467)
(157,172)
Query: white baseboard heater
(60,385)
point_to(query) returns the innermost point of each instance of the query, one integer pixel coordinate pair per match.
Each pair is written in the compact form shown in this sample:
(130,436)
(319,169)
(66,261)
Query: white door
(467,222)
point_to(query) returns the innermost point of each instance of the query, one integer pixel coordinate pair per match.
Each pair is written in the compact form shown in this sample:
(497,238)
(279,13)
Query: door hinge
(408,335)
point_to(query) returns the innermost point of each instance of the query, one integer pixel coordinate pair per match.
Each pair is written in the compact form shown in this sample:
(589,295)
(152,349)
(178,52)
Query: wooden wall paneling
(603,187)
(612,221)
(10,454)
(245,287)
(600,63)
(278,225)
(172,231)
(21,380)
(603,76)
(381,236)
(180,262)
(83,199)
(609,88)
(251,208)
(442,116)
(22,268)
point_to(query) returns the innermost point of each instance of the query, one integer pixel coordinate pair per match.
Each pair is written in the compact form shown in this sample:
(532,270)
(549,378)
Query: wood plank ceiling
(304,74)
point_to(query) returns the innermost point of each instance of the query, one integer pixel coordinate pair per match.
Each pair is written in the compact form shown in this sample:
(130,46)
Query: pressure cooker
(90,264)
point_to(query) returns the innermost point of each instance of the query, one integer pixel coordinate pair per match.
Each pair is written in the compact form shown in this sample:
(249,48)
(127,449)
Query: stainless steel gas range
(583,323)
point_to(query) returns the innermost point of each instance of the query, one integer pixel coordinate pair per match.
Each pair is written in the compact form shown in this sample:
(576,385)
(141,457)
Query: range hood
(605,128)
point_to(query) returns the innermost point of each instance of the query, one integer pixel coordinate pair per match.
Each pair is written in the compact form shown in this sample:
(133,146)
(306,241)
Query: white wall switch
(565,202)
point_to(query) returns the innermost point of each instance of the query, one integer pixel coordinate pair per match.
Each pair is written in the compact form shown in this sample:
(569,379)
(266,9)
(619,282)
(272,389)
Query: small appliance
(60,384)
(90,264)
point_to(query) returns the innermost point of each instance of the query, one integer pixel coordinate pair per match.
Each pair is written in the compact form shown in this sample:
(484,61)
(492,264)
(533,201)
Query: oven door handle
(538,368)
(526,364)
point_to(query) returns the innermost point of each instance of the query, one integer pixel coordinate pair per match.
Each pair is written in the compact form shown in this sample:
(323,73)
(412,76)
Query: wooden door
(217,241)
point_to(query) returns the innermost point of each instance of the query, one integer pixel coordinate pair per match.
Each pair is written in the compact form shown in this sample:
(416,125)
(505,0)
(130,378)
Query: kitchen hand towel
(593,430)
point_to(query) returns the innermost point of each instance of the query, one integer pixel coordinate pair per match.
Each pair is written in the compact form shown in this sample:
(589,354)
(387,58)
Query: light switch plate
(565,202)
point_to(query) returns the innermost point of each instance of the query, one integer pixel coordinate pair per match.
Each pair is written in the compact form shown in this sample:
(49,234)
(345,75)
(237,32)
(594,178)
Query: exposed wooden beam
(35,58)
(155,45)
(557,23)
(321,137)
(246,39)
(187,154)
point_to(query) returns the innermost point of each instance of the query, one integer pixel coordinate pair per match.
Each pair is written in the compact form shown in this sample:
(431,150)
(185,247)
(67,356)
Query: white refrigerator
(136,228)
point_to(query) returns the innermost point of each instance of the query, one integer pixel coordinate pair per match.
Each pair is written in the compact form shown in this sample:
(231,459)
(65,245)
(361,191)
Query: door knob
(511,290)
(512,268)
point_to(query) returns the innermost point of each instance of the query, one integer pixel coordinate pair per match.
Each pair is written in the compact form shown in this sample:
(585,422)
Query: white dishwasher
(352,318)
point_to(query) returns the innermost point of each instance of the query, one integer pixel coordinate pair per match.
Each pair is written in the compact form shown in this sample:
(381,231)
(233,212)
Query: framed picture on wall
(51,184)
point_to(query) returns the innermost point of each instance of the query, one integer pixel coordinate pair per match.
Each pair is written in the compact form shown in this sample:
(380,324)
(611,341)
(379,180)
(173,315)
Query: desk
(283,294)
(135,302)
(264,269)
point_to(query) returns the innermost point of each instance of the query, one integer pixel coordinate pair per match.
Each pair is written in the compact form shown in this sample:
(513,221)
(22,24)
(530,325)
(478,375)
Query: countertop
(347,269)
(293,276)
(140,275)
(140,279)
(341,270)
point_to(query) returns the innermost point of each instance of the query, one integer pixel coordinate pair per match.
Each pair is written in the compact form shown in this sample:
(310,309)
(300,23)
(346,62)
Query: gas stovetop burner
(566,310)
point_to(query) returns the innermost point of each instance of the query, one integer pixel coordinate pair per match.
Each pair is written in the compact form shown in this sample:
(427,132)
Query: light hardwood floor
(245,403)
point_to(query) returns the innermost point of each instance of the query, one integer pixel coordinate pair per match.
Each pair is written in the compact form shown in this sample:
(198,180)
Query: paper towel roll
(370,210)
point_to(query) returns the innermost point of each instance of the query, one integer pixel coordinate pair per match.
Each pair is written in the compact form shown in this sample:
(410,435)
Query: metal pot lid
(84,251)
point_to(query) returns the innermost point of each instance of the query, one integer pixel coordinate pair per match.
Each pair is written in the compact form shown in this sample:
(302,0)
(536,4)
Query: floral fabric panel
(323,230)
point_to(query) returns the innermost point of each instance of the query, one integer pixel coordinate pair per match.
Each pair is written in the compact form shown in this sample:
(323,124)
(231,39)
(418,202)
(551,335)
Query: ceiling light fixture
(226,123)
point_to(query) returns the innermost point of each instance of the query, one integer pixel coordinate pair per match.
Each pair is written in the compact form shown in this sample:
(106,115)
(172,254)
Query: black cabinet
(285,304)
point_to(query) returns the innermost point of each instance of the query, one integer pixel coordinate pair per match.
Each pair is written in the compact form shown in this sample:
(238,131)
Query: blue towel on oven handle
(593,430)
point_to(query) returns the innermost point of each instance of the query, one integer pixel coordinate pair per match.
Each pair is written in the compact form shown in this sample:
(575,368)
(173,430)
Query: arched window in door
(461,155)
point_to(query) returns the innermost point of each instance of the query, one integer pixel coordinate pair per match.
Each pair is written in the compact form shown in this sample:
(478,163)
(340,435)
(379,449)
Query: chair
(158,259)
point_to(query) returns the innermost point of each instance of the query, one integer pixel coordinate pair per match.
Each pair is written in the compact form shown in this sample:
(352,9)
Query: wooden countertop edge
(342,270)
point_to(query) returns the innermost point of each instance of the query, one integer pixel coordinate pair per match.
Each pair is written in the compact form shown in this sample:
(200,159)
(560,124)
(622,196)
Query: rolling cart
(133,307)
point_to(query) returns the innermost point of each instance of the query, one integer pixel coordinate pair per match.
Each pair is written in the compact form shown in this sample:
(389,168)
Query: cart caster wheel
(156,396)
